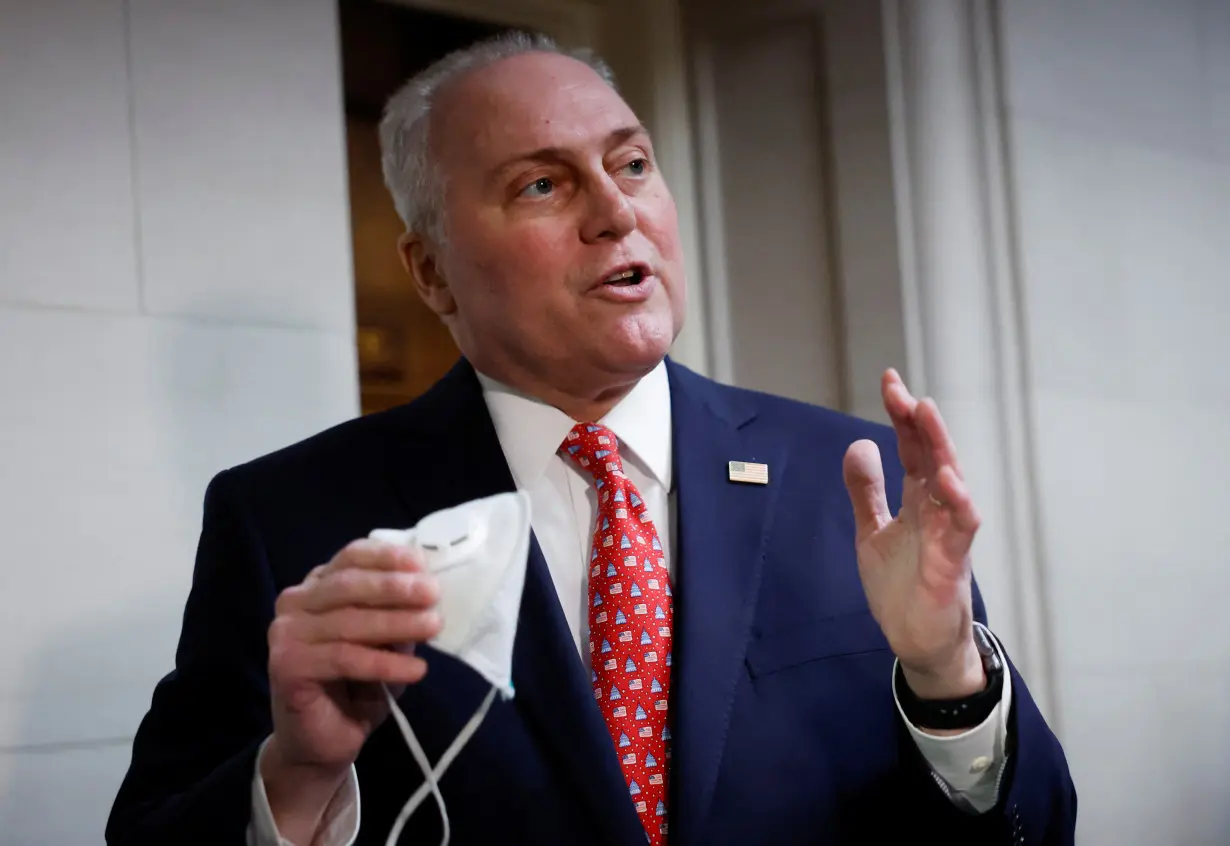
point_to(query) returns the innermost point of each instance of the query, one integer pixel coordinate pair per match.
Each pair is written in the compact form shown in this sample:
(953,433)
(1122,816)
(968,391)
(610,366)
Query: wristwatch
(965,713)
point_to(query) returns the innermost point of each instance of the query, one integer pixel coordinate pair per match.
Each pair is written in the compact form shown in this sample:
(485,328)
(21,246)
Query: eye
(538,188)
(636,167)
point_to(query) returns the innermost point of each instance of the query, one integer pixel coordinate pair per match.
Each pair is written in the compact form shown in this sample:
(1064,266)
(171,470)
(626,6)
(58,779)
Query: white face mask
(478,552)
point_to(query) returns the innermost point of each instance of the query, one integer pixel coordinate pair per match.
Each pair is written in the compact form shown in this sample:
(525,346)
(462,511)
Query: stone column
(959,295)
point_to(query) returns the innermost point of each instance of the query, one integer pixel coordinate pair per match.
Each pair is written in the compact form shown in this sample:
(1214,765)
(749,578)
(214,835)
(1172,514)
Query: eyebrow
(618,136)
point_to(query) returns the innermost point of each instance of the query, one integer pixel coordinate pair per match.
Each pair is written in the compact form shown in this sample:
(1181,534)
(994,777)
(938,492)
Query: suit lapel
(723,533)
(558,701)
(457,440)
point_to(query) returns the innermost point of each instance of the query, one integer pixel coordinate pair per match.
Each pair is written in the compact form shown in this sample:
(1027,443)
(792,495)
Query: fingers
(923,440)
(901,407)
(366,573)
(357,644)
(952,515)
(356,618)
(367,626)
(292,660)
(369,554)
(943,453)
(367,588)
(864,477)
(898,401)
(954,497)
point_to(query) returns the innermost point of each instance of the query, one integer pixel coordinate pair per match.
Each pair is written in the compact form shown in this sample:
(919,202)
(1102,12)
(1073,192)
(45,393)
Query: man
(829,683)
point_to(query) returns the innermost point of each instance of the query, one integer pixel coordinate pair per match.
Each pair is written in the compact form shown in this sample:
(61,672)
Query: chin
(639,343)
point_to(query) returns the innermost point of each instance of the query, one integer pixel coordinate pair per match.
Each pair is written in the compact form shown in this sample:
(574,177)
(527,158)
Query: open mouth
(626,278)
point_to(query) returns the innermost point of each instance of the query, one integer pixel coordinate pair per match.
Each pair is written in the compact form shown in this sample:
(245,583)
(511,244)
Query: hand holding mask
(342,643)
(478,553)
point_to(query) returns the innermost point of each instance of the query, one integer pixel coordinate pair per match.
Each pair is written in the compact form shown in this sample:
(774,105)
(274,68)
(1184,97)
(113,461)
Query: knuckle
(348,582)
(280,632)
(281,661)
(284,653)
(392,585)
(401,587)
(349,554)
(397,587)
(288,599)
(357,545)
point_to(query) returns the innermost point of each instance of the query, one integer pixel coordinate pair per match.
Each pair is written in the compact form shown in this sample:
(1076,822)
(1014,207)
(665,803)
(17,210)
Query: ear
(418,257)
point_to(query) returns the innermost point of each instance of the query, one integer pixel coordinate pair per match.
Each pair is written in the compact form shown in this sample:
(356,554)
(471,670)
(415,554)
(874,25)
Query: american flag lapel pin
(748,472)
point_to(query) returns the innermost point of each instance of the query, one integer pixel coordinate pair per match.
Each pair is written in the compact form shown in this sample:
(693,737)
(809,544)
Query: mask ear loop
(431,777)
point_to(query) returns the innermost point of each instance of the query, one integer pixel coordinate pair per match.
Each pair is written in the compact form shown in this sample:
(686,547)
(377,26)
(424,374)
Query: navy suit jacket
(784,723)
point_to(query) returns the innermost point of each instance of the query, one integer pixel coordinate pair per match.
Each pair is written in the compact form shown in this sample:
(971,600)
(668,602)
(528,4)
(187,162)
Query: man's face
(562,266)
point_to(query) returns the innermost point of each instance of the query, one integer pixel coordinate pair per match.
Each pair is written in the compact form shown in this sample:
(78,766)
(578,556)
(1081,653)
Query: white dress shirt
(564,504)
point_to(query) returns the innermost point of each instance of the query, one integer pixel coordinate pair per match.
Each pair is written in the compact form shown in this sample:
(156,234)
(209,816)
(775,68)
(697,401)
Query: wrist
(956,696)
(298,793)
(960,676)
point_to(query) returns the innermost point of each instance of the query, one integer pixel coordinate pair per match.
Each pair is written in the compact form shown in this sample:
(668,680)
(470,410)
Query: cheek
(540,253)
(660,222)
(515,271)
(535,271)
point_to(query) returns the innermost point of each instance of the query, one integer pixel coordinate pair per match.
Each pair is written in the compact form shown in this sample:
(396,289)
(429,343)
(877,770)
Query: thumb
(864,476)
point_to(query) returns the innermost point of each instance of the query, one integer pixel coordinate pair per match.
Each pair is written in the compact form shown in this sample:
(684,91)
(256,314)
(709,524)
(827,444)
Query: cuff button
(980,764)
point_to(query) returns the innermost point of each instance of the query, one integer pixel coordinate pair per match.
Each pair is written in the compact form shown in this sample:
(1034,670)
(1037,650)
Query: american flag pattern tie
(630,625)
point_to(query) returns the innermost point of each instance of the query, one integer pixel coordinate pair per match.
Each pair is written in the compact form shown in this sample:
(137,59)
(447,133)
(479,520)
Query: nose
(610,215)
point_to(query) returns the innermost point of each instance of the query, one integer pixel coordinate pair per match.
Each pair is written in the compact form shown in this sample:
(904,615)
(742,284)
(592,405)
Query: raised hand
(915,567)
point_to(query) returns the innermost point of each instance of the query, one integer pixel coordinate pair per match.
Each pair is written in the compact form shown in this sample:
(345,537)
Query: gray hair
(411,173)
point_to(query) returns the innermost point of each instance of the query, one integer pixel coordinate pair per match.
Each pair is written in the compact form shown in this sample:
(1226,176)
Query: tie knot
(595,449)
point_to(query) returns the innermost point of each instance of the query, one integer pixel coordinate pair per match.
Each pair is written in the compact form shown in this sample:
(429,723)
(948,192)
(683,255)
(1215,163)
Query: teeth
(627,274)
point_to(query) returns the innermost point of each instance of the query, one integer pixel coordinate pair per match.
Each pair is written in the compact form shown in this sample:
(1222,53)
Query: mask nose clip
(449,538)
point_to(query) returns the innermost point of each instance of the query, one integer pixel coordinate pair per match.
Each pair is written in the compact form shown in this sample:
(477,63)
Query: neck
(583,405)
(591,409)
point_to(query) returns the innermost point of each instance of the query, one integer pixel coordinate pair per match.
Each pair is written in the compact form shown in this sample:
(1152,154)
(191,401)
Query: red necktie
(630,614)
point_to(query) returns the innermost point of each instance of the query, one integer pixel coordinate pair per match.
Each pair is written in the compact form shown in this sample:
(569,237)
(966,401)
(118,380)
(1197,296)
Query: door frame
(571,23)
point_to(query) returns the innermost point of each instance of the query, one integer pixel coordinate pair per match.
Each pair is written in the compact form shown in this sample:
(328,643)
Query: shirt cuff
(968,767)
(339,824)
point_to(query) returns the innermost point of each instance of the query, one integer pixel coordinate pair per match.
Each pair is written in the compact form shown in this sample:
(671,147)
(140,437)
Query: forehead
(525,103)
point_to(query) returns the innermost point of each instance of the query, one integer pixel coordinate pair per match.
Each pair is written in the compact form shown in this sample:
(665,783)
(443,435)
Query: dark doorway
(402,346)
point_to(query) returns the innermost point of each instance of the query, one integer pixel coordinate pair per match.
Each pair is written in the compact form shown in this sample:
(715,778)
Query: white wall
(175,297)
(1119,139)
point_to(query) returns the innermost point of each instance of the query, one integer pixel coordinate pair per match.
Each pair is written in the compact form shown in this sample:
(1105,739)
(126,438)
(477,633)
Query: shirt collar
(530,431)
